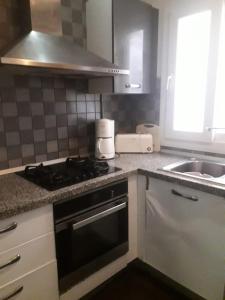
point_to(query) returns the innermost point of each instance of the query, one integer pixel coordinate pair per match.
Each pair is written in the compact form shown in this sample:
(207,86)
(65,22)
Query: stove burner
(37,170)
(86,162)
(79,161)
(73,170)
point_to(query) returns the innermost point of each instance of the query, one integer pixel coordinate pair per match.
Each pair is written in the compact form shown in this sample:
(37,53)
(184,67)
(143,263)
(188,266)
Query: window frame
(192,141)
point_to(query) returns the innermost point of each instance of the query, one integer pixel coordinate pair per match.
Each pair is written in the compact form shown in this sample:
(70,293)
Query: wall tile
(9,109)
(72,119)
(15,163)
(20,81)
(81,107)
(81,97)
(48,82)
(1,125)
(59,83)
(26,136)
(62,132)
(72,131)
(22,94)
(51,134)
(28,160)
(49,108)
(38,122)
(40,148)
(130,110)
(60,94)
(3,154)
(24,108)
(10,124)
(52,146)
(28,150)
(37,109)
(8,95)
(63,145)
(71,107)
(34,82)
(25,123)
(61,120)
(48,95)
(70,95)
(39,135)
(53,155)
(50,121)
(41,158)
(90,107)
(60,108)
(14,152)
(12,138)
(36,94)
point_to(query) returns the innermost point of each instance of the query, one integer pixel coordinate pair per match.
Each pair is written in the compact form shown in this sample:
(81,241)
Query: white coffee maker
(104,134)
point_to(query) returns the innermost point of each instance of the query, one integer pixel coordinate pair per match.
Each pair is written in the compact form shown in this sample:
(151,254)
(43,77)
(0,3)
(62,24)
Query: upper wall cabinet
(124,32)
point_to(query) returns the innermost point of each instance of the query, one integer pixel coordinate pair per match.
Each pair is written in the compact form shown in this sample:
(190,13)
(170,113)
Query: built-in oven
(91,231)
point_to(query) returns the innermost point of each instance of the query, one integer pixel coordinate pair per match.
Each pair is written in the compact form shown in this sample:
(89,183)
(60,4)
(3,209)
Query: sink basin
(203,169)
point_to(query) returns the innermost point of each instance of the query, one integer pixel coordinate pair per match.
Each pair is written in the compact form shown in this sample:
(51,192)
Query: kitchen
(112,181)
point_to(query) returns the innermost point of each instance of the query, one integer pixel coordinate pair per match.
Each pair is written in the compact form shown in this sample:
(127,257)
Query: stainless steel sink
(203,169)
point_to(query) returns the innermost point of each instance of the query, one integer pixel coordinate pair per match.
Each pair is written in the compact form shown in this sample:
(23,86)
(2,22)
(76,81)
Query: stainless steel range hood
(45,48)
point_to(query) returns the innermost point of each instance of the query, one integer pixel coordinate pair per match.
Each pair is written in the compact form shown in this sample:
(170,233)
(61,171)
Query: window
(195,98)
(191,72)
(219,112)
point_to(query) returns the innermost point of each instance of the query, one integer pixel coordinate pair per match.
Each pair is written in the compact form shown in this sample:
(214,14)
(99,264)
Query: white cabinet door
(185,239)
(38,285)
(24,259)
(28,226)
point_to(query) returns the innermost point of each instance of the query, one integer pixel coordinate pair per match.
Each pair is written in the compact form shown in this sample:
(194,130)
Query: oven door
(91,241)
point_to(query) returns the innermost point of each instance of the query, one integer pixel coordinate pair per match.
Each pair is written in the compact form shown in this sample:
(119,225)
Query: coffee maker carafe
(104,133)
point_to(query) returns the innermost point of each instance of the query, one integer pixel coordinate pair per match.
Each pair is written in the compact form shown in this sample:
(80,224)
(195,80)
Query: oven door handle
(98,216)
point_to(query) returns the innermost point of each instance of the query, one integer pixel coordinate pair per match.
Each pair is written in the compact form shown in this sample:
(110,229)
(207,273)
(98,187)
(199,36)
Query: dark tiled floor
(135,284)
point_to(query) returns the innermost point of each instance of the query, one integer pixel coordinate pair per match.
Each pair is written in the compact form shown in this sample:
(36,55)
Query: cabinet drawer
(25,258)
(28,226)
(38,285)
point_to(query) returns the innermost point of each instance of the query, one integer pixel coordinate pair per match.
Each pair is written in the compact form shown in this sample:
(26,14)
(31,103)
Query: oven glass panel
(76,248)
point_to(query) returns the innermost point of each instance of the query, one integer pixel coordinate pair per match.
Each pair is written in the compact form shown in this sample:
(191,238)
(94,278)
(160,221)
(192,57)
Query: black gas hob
(71,171)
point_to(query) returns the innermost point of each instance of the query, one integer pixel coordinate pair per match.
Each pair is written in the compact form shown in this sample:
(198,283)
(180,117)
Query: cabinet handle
(14,293)
(8,228)
(132,86)
(192,198)
(11,262)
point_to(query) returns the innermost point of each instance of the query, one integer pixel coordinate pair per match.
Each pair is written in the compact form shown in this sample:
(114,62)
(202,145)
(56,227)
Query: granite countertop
(18,195)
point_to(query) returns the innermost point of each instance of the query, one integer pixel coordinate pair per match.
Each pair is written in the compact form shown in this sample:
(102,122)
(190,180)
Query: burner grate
(72,171)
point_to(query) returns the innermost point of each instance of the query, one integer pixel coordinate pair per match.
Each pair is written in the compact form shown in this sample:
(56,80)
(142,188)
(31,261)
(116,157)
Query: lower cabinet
(28,269)
(40,284)
(23,259)
(185,237)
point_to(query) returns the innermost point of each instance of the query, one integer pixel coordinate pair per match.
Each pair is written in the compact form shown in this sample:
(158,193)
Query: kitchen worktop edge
(25,196)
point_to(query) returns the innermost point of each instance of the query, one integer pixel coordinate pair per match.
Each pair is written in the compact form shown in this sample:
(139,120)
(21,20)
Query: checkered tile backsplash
(130,110)
(45,118)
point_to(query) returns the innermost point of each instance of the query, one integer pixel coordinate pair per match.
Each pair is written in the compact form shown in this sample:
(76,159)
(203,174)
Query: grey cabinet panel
(135,45)
(134,40)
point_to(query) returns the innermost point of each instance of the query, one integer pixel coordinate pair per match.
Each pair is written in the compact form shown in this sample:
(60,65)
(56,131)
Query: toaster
(134,143)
